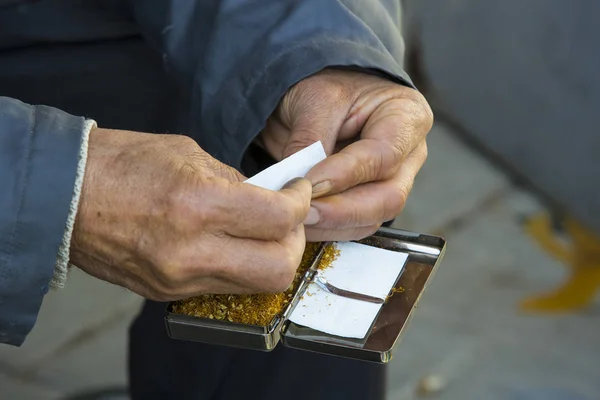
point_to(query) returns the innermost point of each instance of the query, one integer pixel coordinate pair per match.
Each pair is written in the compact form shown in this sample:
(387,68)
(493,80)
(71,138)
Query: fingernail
(290,183)
(313,217)
(321,188)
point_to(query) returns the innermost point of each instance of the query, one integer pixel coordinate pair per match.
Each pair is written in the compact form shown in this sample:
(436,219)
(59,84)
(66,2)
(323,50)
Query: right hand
(161,217)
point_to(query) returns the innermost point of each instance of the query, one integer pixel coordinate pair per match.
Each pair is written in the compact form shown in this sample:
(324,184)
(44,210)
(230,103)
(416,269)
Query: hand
(161,217)
(375,130)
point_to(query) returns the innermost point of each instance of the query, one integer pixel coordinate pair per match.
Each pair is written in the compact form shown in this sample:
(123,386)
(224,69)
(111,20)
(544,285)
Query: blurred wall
(523,77)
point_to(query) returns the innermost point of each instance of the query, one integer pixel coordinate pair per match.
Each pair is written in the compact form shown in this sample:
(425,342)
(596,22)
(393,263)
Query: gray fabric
(233,60)
(522,77)
(239,57)
(39,148)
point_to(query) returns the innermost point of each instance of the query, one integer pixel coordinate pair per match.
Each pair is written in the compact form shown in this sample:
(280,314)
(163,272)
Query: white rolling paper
(295,166)
(358,268)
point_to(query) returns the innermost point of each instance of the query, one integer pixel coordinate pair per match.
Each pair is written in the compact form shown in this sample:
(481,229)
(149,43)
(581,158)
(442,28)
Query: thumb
(300,191)
(231,174)
(312,114)
(299,188)
(306,133)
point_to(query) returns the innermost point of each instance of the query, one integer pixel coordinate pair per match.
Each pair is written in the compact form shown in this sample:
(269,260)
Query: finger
(392,132)
(329,235)
(209,285)
(318,117)
(370,203)
(304,134)
(257,213)
(286,258)
(257,265)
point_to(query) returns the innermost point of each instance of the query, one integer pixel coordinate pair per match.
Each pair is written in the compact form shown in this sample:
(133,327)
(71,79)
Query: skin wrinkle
(152,228)
(396,193)
(386,121)
(282,249)
(219,234)
(270,282)
(365,105)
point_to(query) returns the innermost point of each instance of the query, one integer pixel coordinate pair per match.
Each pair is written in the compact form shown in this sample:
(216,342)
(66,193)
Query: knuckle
(393,211)
(158,297)
(168,271)
(416,105)
(376,165)
(400,200)
(283,283)
(226,172)
(183,144)
(400,147)
(162,293)
(186,140)
(395,201)
(325,86)
(175,268)
(371,230)
(338,93)
(197,163)
(424,151)
(154,292)
(360,171)
(285,272)
(367,170)
(281,279)
(353,217)
(288,271)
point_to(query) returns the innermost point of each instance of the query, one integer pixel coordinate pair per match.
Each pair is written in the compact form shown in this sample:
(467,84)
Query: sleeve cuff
(61,267)
(254,96)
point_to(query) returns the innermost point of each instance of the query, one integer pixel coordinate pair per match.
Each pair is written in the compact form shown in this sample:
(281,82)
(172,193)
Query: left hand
(374,131)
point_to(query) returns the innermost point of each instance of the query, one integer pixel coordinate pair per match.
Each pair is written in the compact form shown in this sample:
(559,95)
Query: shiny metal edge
(185,327)
(225,333)
(421,247)
(216,332)
(386,356)
(305,281)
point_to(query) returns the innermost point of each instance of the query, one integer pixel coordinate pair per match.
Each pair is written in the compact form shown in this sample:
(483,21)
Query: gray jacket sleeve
(237,58)
(39,155)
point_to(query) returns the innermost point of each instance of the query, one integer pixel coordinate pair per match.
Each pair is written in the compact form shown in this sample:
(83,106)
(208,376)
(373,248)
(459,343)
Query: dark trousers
(163,368)
(121,85)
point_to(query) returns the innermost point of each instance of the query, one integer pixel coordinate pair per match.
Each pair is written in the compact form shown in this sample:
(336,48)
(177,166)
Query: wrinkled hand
(161,217)
(375,130)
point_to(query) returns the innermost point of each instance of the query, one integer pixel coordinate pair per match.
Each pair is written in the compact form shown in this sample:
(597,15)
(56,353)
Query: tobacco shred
(254,309)
(395,290)
(330,253)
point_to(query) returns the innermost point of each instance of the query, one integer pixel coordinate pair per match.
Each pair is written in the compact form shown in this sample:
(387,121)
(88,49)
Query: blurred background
(512,184)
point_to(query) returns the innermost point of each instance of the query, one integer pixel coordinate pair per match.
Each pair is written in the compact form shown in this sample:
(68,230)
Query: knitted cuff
(61,268)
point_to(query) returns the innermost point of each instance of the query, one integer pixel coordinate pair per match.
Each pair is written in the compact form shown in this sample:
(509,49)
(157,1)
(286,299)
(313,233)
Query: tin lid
(424,254)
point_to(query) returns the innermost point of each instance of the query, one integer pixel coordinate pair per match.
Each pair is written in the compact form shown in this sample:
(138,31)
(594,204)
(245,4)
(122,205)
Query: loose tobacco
(253,309)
